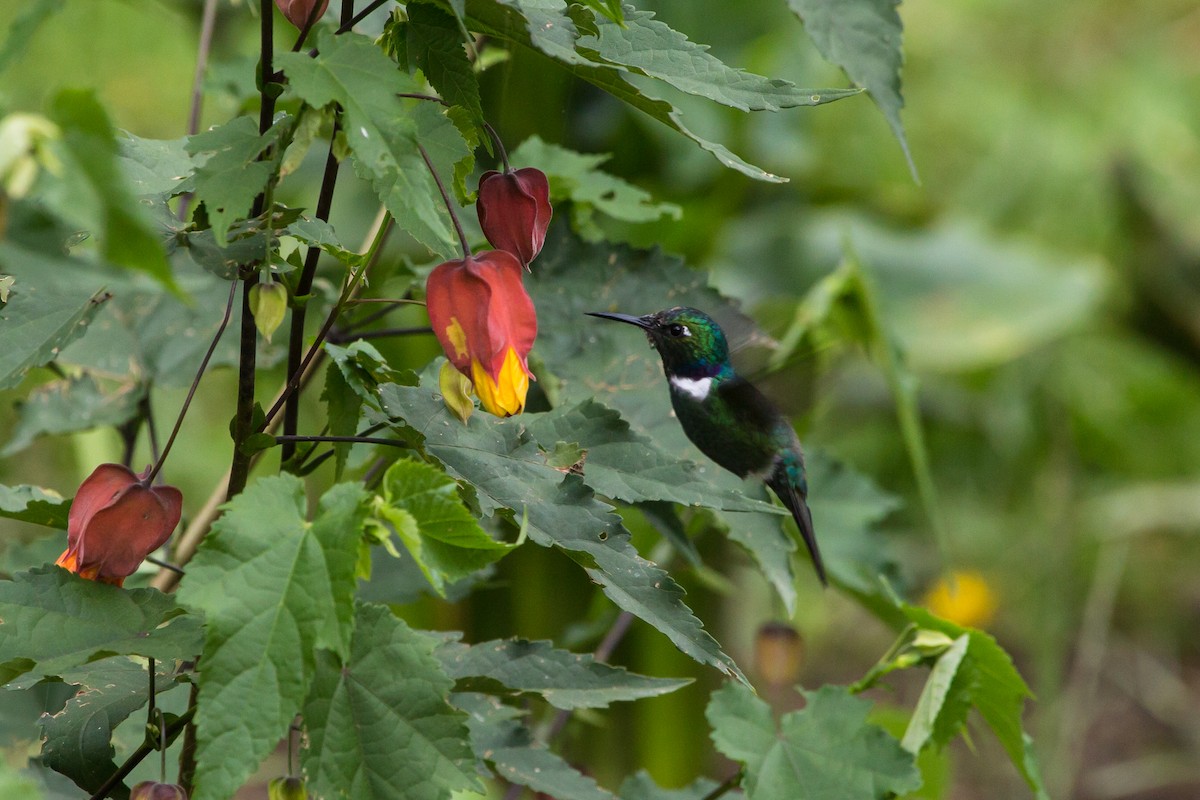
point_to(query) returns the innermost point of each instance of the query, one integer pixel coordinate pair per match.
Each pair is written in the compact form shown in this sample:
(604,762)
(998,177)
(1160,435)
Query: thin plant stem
(162,741)
(212,346)
(462,237)
(139,755)
(150,695)
(291,411)
(487,125)
(151,428)
(384,224)
(349,439)
(382,333)
(729,783)
(360,16)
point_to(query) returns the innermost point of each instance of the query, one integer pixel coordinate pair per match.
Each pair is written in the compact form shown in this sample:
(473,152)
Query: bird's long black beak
(641,322)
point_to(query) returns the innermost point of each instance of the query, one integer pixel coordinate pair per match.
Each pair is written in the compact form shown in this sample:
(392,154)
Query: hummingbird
(725,415)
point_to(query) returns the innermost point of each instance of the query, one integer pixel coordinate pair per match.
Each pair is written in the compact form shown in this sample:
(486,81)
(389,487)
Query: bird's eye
(678,330)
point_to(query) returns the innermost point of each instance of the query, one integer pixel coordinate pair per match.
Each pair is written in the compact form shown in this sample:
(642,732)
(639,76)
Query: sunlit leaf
(34,504)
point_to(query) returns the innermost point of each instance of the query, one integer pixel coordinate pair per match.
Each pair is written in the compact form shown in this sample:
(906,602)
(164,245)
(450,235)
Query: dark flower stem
(462,237)
(360,16)
(382,333)
(162,457)
(291,411)
(139,755)
(350,439)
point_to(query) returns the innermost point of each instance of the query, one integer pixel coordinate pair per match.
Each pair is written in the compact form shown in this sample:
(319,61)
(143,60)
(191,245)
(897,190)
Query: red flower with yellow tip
(486,324)
(514,211)
(116,520)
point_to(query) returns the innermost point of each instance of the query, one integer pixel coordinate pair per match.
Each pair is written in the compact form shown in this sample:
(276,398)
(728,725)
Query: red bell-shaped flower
(514,211)
(486,324)
(153,790)
(115,522)
(299,11)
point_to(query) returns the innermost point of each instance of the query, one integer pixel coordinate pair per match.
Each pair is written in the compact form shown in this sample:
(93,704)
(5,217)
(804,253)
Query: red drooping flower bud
(115,522)
(514,211)
(153,790)
(486,324)
(298,11)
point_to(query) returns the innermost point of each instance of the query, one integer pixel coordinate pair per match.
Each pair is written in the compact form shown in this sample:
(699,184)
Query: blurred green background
(1043,279)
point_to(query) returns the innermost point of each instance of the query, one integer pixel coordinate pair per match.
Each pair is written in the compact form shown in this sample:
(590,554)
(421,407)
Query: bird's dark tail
(791,498)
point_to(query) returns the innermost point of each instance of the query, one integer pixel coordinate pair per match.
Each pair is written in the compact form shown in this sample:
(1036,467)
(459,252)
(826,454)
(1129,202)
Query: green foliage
(429,40)
(52,621)
(828,748)
(378,719)
(566,680)
(21,30)
(74,404)
(863,37)
(34,504)
(230,172)
(273,588)
(421,504)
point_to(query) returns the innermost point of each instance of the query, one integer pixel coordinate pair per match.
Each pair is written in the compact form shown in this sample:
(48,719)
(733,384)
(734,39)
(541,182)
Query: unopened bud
(778,654)
(268,304)
(153,790)
(290,788)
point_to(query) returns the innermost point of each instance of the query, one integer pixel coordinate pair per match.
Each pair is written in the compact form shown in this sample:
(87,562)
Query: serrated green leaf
(343,408)
(34,504)
(502,461)
(51,305)
(649,47)
(640,786)
(379,129)
(996,690)
(625,465)
(509,746)
(77,741)
(319,233)
(434,45)
(153,166)
(443,538)
(229,173)
(274,589)
(567,680)
(827,751)
(74,404)
(379,724)
(863,37)
(91,192)
(546,28)
(932,704)
(52,621)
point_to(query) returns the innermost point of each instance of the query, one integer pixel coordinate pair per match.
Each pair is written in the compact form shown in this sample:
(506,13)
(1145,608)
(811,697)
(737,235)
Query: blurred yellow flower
(965,598)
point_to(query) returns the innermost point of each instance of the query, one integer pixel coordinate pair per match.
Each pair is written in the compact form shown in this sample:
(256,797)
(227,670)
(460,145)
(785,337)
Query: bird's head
(690,342)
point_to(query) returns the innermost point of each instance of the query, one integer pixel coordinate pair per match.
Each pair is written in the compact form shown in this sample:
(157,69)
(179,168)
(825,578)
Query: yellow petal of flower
(504,396)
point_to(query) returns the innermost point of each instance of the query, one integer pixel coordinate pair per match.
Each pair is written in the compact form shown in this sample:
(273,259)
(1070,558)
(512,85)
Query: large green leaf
(546,28)
(52,621)
(34,504)
(988,678)
(430,41)
(77,741)
(648,46)
(827,751)
(567,680)
(625,465)
(51,304)
(90,191)
(380,129)
(422,505)
(510,748)
(863,37)
(76,403)
(378,721)
(229,172)
(501,459)
(274,589)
